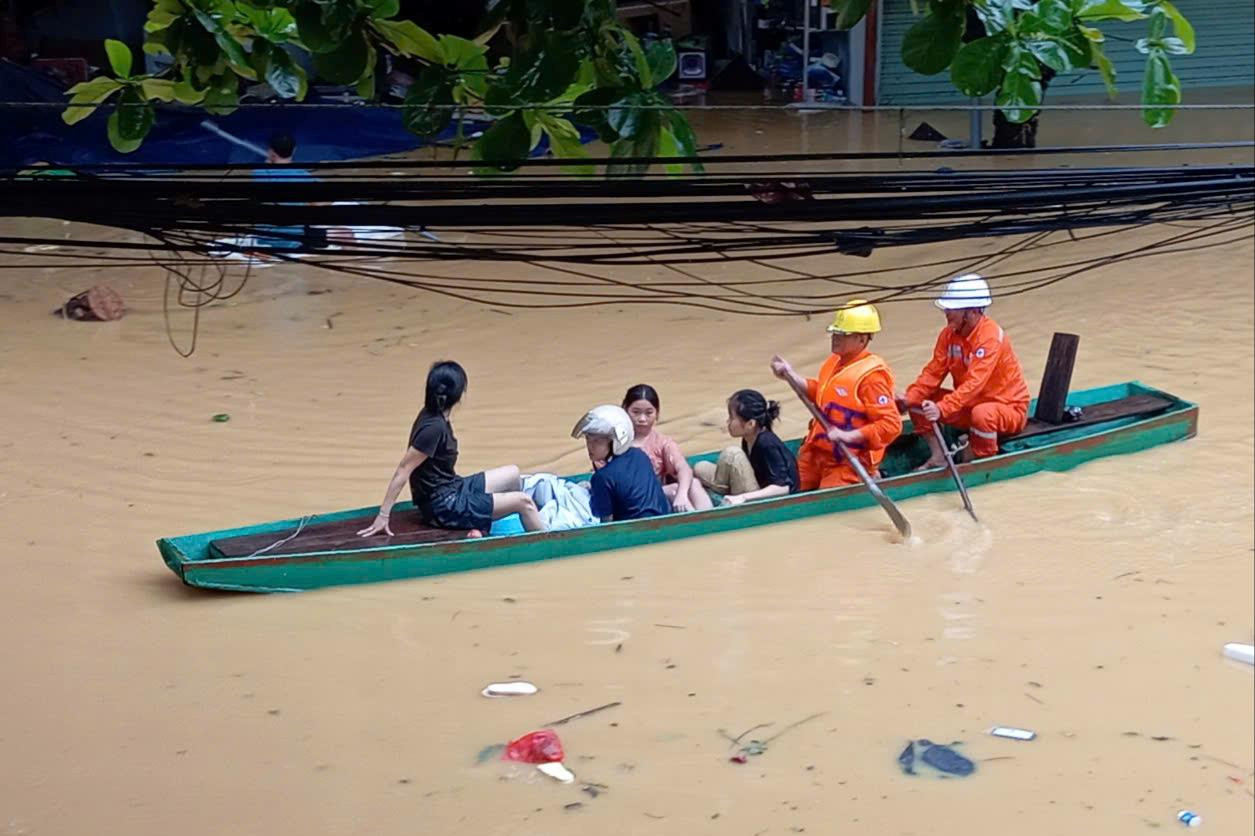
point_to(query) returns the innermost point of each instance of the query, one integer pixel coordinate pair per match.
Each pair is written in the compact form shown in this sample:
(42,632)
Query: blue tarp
(31,134)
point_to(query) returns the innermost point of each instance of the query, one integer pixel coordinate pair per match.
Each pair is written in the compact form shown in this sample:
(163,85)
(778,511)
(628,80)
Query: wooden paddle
(899,521)
(954,470)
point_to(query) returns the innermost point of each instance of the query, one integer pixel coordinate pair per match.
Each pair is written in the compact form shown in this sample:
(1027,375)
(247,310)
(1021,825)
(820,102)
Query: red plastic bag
(535,747)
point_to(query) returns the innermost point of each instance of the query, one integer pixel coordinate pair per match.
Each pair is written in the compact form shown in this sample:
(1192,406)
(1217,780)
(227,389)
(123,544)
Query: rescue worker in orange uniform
(854,390)
(990,397)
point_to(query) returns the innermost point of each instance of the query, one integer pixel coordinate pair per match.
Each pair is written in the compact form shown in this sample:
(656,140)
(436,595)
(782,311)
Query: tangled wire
(591,239)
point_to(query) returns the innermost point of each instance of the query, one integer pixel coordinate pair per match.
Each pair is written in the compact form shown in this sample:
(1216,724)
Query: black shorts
(463,504)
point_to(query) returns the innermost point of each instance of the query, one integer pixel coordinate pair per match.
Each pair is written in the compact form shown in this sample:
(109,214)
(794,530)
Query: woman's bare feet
(473,533)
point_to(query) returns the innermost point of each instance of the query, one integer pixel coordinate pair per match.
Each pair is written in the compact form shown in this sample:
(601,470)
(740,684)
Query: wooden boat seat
(1132,406)
(339,535)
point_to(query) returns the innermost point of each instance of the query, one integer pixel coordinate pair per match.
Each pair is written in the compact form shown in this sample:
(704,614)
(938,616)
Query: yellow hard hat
(857,316)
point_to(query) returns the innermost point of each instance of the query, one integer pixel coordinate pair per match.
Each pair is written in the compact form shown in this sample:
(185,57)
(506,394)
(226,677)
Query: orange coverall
(990,396)
(857,395)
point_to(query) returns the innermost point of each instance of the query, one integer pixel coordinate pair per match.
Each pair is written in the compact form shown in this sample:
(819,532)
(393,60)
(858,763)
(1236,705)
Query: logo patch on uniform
(882,400)
(980,352)
(841,391)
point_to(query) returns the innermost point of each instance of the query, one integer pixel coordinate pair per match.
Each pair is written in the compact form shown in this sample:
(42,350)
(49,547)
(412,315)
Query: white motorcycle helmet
(608,420)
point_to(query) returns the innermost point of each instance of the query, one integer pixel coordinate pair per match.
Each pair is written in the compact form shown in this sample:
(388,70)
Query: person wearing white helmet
(990,397)
(623,486)
(854,390)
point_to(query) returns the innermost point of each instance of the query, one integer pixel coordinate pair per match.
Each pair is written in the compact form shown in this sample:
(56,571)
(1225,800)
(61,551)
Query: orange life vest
(838,399)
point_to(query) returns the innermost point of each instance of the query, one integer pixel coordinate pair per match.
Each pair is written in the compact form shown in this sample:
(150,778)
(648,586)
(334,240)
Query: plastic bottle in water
(1190,819)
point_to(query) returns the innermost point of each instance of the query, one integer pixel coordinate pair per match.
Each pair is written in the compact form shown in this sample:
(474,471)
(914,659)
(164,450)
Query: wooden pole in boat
(899,521)
(954,470)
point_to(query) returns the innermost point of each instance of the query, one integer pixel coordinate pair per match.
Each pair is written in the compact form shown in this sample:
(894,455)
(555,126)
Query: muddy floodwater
(1089,606)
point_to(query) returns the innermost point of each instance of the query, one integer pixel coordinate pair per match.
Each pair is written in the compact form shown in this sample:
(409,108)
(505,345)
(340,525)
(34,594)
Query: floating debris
(509,689)
(939,757)
(558,772)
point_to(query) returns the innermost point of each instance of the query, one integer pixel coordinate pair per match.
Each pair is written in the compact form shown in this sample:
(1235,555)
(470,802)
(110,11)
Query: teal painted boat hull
(189,556)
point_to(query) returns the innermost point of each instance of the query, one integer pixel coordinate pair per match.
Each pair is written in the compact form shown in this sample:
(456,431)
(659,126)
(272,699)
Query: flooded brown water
(1089,606)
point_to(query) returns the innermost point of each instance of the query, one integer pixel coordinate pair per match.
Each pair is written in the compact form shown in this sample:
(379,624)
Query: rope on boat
(278,543)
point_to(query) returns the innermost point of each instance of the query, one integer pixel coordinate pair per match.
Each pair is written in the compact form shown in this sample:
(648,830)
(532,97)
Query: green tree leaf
(1094,36)
(1050,52)
(162,14)
(1061,54)
(668,146)
(463,54)
(161,89)
(185,93)
(1019,97)
(130,121)
(564,141)
(1048,17)
(687,142)
(1180,26)
(931,43)
(231,48)
(285,76)
(977,68)
(632,45)
(1161,89)
(346,63)
(428,104)
(624,116)
(998,16)
(410,39)
(505,143)
(1106,69)
(222,98)
(315,32)
(86,96)
(274,25)
(1020,61)
(385,8)
(547,70)
(119,57)
(851,12)
(661,59)
(643,144)
(592,109)
(1123,10)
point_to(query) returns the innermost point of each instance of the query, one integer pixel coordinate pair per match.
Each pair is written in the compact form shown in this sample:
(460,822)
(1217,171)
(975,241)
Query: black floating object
(859,242)
(947,760)
(906,760)
(927,133)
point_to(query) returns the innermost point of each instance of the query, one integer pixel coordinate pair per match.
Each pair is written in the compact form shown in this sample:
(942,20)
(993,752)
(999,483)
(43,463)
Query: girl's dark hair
(641,392)
(446,383)
(750,405)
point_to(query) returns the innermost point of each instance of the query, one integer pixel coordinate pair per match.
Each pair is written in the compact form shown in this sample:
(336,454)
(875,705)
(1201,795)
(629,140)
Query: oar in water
(899,521)
(954,470)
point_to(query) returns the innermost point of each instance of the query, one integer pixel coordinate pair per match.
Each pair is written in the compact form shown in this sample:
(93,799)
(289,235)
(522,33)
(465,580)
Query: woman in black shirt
(443,498)
(761,466)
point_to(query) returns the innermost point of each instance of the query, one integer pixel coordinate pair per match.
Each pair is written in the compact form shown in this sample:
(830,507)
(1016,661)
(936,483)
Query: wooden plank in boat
(1135,405)
(340,535)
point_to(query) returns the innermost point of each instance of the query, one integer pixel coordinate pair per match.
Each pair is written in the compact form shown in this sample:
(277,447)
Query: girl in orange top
(670,466)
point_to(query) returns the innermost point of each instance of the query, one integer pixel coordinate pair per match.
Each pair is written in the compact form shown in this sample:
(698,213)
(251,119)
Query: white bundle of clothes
(562,504)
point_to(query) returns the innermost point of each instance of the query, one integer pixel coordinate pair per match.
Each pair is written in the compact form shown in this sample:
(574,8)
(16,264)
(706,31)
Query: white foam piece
(510,689)
(1240,652)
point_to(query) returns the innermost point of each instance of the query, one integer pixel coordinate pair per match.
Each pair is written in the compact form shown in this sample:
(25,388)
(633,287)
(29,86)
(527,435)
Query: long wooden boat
(291,555)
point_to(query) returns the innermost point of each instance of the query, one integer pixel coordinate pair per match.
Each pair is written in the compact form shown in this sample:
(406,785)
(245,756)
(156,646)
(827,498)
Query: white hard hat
(968,291)
(607,420)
